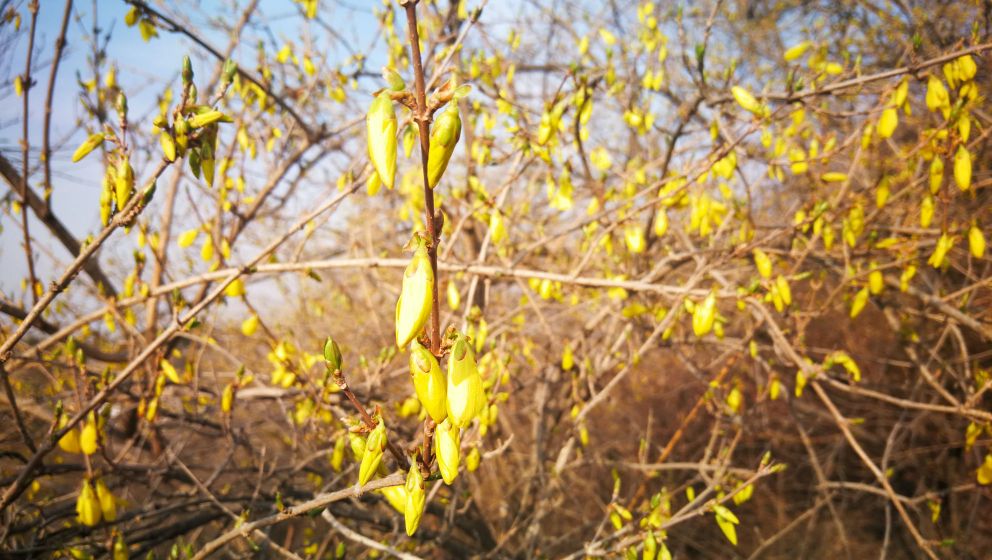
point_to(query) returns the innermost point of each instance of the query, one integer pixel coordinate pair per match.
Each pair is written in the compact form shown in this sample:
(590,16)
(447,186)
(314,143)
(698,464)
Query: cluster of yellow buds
(85,439)
(451,403)
(95,502)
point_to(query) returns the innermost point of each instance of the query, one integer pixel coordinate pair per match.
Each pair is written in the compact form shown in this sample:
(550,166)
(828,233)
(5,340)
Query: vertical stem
(12,399)
(423,118)
(46,148)
(25,144)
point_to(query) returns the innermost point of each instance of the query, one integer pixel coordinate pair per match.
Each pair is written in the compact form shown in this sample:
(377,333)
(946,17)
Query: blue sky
(141,65)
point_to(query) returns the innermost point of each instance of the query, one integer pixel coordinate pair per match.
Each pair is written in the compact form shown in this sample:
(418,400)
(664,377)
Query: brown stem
(25,145)
(130,212)
(46,147)
(368,420)
(12,399)
(39,206)
(423,118)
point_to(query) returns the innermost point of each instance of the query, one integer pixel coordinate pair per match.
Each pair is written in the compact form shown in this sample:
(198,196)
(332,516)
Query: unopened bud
(332,354)
(230,69)
(122,105)
(415,499)
(187,70)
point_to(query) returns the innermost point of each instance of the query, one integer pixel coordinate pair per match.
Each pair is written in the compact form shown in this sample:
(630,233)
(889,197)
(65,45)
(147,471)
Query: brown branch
(423,118)
(370,422)
(124,217)
(25,149)
(321,501)
(176,27)
(41,211)
(784,97)
(46,147)
(180,322)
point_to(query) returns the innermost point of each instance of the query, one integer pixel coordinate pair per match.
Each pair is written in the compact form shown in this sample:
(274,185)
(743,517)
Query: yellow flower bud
(962,168)
(120,549)
(936,174)
(88,145)
(170,372)
(633,236)
(447,443)
(416,497)
(473,459)
(337,455)
(834,177)
(428,381)
(88,436)
(373,184)
(937,97)
(796,51)
(396,496)
(454,297)
(859,302)
(876,282)
(966,68)
(70,441)
(88,505)
(465,395)
(381,125)
(206,118)
(926,211)
(906,277)
(108,506)
(444,136)
(888,122)
(747,101)
(944,245)
(660,223)
(976,242)
(374,446)
(763,263)
(704,315)
(357,444)
(784,291)
(227,398)
(168,145)
(152,411)
(123,182)
(984,472)
(413,308)
(250,325)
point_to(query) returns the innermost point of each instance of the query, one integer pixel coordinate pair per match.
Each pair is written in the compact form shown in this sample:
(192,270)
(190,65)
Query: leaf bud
(332,354)
(187,71)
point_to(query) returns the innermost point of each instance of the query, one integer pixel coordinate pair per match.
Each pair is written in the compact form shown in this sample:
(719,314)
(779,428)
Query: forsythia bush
(595,280)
